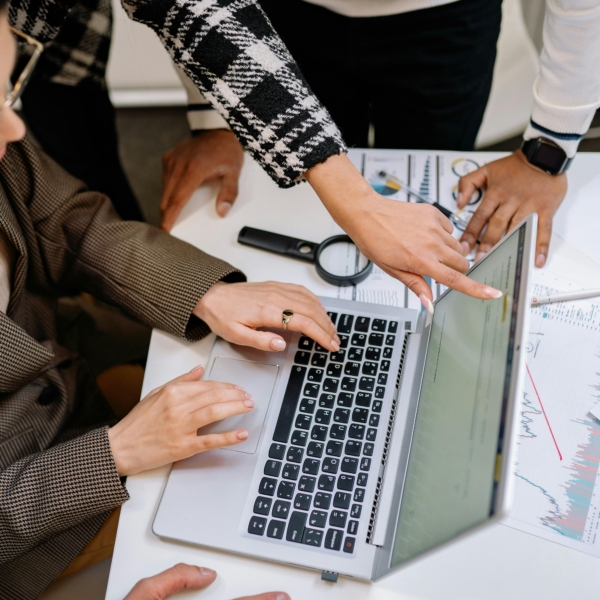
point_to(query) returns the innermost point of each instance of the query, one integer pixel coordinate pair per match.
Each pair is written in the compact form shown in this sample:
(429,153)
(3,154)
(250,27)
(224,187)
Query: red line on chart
(543,410)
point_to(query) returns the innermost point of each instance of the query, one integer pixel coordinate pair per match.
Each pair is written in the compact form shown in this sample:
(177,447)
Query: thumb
(227,194)
(468,184)
(171,581)
(262,340)
(194,375)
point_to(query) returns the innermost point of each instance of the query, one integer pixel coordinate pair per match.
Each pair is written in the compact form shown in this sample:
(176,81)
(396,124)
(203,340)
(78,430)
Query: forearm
(46,493)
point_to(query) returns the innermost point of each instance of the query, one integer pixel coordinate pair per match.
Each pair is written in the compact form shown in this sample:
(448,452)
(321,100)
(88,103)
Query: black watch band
(546,155)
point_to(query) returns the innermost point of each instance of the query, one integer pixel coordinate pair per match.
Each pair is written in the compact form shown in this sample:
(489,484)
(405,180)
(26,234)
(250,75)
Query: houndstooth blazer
(58,480)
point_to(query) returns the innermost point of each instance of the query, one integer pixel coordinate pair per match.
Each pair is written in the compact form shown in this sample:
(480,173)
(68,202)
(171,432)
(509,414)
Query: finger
(310,328)
(262,340)
(479,220)
(194,375)
(469,184)
(417,285)
(496,228)
(173,580)
(543,239)
(186,186)
(462,283)
(218,408)
(267,596)
(213,441)
(227,194)
(451,242)
(452,259)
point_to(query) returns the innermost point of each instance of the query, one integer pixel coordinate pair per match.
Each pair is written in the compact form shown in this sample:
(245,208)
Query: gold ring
(286,315)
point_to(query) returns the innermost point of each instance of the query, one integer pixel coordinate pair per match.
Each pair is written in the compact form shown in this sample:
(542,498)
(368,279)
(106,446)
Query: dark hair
(3,5)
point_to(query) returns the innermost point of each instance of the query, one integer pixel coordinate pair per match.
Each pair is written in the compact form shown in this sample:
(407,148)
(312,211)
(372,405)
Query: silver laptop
(362,460)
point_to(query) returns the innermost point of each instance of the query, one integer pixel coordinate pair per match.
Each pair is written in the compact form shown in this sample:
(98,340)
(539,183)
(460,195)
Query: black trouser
(422,78)
(75,125)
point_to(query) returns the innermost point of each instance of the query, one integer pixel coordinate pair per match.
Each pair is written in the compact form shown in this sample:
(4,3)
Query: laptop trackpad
(258,379)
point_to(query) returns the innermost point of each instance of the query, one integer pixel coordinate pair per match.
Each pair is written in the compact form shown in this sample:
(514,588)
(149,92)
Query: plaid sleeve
(232,54)
(41,19)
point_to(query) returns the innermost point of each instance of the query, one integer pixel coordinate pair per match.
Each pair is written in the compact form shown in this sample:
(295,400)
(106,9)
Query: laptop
(361,461)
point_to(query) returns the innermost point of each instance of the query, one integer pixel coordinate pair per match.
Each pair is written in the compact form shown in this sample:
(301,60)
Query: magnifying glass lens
(343,259)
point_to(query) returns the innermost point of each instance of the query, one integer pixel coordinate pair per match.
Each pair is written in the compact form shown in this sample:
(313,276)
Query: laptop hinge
(386,482)
(329,576)
(386,446)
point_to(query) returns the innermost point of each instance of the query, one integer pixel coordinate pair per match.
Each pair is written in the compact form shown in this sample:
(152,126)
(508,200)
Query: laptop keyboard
(313,488)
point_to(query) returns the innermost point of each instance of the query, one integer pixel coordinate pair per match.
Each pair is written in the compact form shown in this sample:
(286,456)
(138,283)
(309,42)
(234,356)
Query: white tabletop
(501,563)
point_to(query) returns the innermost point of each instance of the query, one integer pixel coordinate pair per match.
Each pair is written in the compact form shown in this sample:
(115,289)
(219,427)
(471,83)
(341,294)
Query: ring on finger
(286,316)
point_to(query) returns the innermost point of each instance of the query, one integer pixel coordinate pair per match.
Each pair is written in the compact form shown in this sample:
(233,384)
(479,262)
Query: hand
(210,155)
(235,310)
(408,241)
(163,427)
(184,577)
(514,189)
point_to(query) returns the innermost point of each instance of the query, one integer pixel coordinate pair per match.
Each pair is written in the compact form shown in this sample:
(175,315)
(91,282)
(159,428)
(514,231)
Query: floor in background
(147,133)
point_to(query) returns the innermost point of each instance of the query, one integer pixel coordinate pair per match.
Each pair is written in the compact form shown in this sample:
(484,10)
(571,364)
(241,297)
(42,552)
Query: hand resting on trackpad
(258,380)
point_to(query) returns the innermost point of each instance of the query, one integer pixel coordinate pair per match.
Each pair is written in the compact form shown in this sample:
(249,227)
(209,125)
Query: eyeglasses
(34,49)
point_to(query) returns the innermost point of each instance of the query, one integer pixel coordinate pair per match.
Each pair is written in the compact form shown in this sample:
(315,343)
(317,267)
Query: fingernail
(207,572)
(426,302)
(277,344)
(247,395)
(249,402)
(459,198)
(335,345)
(491,292)
(479,256)
(224,208)
(196,368)
(282,597)
(540,260)
(237,387)
(242,435)
(466,248)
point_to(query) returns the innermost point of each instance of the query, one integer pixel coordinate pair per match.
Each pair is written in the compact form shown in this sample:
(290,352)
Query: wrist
(203,310)
(117,452)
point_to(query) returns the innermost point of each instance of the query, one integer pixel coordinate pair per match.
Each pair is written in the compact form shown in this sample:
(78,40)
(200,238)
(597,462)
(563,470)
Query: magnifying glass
(337,260)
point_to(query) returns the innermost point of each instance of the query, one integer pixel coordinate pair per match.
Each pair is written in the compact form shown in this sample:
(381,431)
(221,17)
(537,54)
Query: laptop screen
(452,471)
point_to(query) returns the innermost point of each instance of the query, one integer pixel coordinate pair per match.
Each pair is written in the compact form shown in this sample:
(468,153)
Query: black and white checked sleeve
(230,51)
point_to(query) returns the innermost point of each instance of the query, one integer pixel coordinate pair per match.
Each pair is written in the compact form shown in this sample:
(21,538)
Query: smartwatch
(547,155)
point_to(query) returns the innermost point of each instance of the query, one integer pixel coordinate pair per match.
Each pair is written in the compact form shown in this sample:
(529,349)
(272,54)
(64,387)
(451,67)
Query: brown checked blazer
(58,481)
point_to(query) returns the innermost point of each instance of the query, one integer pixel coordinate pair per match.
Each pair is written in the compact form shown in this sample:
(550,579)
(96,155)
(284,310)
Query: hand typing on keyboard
(235,310)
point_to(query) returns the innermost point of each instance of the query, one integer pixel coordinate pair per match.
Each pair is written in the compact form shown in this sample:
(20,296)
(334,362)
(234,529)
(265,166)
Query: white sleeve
(200,112)
(567,91)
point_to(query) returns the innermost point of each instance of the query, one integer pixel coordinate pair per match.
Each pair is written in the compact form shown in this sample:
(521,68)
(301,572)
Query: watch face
(550,158)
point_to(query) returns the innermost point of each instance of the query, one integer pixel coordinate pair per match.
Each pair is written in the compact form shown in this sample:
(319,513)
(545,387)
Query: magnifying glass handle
(277,243)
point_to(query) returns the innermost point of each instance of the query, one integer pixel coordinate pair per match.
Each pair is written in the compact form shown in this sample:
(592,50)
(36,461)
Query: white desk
(500,564)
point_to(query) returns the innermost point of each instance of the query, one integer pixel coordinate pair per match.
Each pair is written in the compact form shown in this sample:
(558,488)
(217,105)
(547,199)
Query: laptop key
(318,433)
(360,415)
(352,527)
(365,463)
(350,465)
(272,468)
(337,518)
(334,448)
(333,316)
(355,511)
(308,405)
(330,386)
(277,451)
(311,390)
(317,518)
(368,449)
(349,384)
(281,509)
(352,368)
(289,404)
(323,417)
(326,483)
(374,420)
(373,353)
(363,399)
(341,500)
(307,484)
(345,324)
(302,501)
(353,448)
(286,490)
(338,432)
(376,339)
(343,340)
(345,482)
(295,529)
(315,375)
(387,352)
(303,421)
(305,343)
(267,486)
(315,449)
(341,415)
(355,354)
(326,400)
(257,525)
(357,431)
(333,539)
(322,500)
(349,543)
(311,466)
(319,348)
(377,406)
(294,455)
(382,379)
(393,328)
(370,368)
(302,358)
(390,340)
(385,365)
(371,434)
(276,529)
(362,479)
(345,399)
(319,360)
(379,325)
(362,324)
(359,339)
(359,495)
(331,465)
(262,506)
(338,357)
(313,537)
(299,437)
(334,370)
(291,471)
(379,393)
(366,384)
